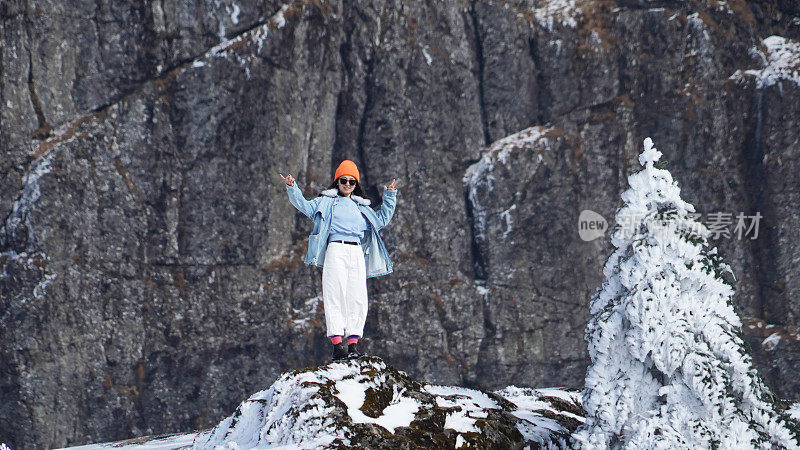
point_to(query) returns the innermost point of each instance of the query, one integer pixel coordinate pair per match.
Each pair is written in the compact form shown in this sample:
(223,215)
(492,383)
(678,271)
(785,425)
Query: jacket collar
(334,192)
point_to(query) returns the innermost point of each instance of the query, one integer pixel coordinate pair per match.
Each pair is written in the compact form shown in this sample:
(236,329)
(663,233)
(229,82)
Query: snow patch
(234,11)
(506,216)
(20,210)
(399,413)
(471,404)
(557,12)
(278,19)
(307,312)
(19,219)
(780,59)
(771,341)
(427,55)
(696,22)
(258,35)
(40,288)
(538,424)
(233,14)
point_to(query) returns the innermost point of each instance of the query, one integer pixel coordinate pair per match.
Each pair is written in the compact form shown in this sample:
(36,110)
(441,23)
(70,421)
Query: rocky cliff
(152,266)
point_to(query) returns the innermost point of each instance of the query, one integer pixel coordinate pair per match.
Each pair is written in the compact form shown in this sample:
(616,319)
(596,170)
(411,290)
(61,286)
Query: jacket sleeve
(307,207)
(387,208)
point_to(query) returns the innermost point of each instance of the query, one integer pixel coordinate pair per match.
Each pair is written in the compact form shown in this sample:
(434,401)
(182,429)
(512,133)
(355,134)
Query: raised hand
(288,179)
(390,186)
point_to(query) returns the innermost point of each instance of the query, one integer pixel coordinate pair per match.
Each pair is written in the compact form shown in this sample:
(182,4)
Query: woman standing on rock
(346,244)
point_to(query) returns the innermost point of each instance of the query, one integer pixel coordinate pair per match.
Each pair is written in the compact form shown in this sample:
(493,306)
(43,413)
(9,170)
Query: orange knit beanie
(347,167)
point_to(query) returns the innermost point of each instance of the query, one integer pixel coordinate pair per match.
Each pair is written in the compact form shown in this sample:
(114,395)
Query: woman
(346,244)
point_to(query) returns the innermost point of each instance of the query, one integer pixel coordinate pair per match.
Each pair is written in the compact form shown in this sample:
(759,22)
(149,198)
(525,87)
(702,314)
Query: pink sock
(335,340)
(353,339)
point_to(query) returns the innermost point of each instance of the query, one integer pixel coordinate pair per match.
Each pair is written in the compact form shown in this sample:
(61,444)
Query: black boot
(352,351)
(339,351)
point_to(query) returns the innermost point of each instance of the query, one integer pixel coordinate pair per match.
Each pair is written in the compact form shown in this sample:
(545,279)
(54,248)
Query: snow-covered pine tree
(669,367)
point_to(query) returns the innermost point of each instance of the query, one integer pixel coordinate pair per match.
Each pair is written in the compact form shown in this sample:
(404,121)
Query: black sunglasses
(344,181)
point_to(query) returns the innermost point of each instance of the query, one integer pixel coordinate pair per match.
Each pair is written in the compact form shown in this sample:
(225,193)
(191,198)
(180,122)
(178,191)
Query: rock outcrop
(365,403)
(151,266)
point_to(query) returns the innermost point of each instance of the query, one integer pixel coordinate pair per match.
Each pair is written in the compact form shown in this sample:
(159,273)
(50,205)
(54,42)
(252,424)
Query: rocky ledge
(366,403)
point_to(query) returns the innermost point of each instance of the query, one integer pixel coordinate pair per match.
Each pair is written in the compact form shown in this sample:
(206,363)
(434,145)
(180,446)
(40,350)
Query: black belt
(347,242)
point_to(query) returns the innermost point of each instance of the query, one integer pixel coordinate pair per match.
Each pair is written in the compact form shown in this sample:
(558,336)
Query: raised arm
(307,207)
(387,208)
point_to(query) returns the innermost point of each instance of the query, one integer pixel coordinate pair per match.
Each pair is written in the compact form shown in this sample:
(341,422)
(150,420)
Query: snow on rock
(480,177)
(257,36)
(509,221)
(18,236)
(366,403)
(235,11)
(780,59)
(547,415)
(18,221)
(552,12)
(773,335)
(399,413)
(771,341)
(470,405)
(309,315)
(668,367)
(428,58)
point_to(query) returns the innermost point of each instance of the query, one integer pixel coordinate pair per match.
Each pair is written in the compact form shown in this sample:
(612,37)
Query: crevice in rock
(369,99)
(341,102)
(771,298)
(180,226)
(44,128)
(478,260)
(470,376)
(480,75)
(486,357)
(540,84)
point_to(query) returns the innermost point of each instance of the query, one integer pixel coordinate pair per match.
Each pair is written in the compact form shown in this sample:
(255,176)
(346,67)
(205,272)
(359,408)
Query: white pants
(344,289)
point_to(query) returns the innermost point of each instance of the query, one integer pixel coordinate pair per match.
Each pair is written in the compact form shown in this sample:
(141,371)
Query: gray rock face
(152,266)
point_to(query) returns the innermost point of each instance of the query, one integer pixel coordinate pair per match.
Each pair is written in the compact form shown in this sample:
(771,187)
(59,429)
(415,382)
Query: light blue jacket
(320,210)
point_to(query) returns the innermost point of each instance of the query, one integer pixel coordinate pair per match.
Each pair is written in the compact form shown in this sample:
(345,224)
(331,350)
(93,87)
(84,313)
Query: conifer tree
(669,367)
